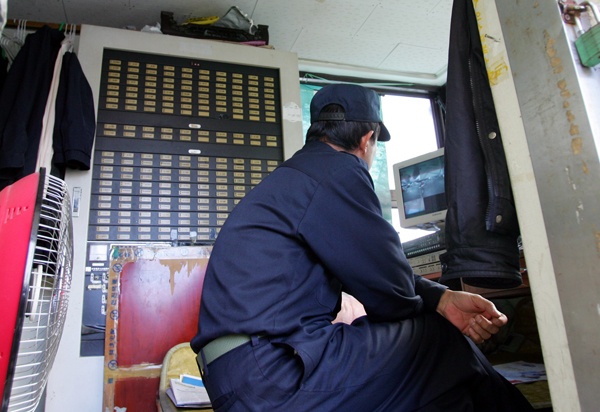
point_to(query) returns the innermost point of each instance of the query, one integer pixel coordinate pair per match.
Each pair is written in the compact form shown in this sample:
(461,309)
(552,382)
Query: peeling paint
(574,130)
(176,266)
(570,116)
(576,145)
(292,112)
(143,370)
(576,141)
(555,62)
(584,167)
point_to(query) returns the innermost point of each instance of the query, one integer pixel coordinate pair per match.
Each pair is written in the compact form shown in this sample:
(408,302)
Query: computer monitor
(420,190)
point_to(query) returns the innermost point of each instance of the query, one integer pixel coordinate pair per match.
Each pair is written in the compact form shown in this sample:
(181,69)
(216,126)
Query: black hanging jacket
(23,103)
(481,224)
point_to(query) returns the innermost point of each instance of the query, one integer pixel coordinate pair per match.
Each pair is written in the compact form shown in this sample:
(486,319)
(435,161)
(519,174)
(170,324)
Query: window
(411,123)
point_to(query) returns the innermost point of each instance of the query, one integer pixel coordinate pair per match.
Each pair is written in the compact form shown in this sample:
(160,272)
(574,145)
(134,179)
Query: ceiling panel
(403,40)
(423,27)
(314,45)
(415,61)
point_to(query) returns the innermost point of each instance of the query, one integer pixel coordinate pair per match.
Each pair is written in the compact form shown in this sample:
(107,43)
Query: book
(188,392)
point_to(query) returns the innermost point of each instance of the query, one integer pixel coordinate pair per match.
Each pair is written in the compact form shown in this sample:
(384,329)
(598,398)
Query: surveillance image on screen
(423,187)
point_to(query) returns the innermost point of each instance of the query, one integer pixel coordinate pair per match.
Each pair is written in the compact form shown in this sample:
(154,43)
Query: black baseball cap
(360,105)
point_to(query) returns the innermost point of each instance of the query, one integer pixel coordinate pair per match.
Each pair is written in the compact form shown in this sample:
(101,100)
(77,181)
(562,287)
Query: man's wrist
(441,307)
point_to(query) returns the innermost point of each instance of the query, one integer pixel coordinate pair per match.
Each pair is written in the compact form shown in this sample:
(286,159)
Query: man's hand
(475,316)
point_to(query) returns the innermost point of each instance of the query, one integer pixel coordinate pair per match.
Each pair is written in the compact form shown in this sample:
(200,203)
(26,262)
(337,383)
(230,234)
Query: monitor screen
(420,190)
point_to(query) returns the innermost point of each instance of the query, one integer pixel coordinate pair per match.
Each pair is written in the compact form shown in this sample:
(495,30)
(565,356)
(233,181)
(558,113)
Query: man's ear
(364,141)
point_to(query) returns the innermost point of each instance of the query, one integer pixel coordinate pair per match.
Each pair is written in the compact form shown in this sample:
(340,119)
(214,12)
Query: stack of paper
(522,372)
(188,392)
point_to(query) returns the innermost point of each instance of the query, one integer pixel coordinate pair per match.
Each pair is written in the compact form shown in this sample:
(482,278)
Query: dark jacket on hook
(23,103)
(75,123)
(481,224)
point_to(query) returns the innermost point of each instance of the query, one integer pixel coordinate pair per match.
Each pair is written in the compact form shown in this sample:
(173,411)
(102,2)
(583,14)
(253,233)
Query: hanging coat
(481,223)
(23,102)
(75,124)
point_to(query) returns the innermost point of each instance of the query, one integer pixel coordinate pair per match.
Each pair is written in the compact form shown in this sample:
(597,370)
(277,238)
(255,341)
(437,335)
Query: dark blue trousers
(421,364)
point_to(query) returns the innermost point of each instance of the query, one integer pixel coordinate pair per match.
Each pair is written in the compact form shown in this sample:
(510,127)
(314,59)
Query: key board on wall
(179,142)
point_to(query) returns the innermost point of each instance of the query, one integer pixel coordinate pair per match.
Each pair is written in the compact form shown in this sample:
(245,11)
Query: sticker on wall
(292,112)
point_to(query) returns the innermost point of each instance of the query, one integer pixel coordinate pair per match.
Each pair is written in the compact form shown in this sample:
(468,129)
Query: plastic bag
(236,19)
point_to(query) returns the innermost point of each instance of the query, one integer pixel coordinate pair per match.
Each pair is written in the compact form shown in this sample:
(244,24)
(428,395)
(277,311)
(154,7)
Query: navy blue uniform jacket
(309,230)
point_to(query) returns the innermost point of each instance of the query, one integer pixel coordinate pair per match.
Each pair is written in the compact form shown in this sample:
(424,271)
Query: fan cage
(47,296)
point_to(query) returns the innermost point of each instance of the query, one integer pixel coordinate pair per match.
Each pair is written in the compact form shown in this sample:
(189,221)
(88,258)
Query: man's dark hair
(345,134)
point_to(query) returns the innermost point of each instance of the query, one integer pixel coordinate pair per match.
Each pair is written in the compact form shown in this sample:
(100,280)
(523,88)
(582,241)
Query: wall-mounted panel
(180,141)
